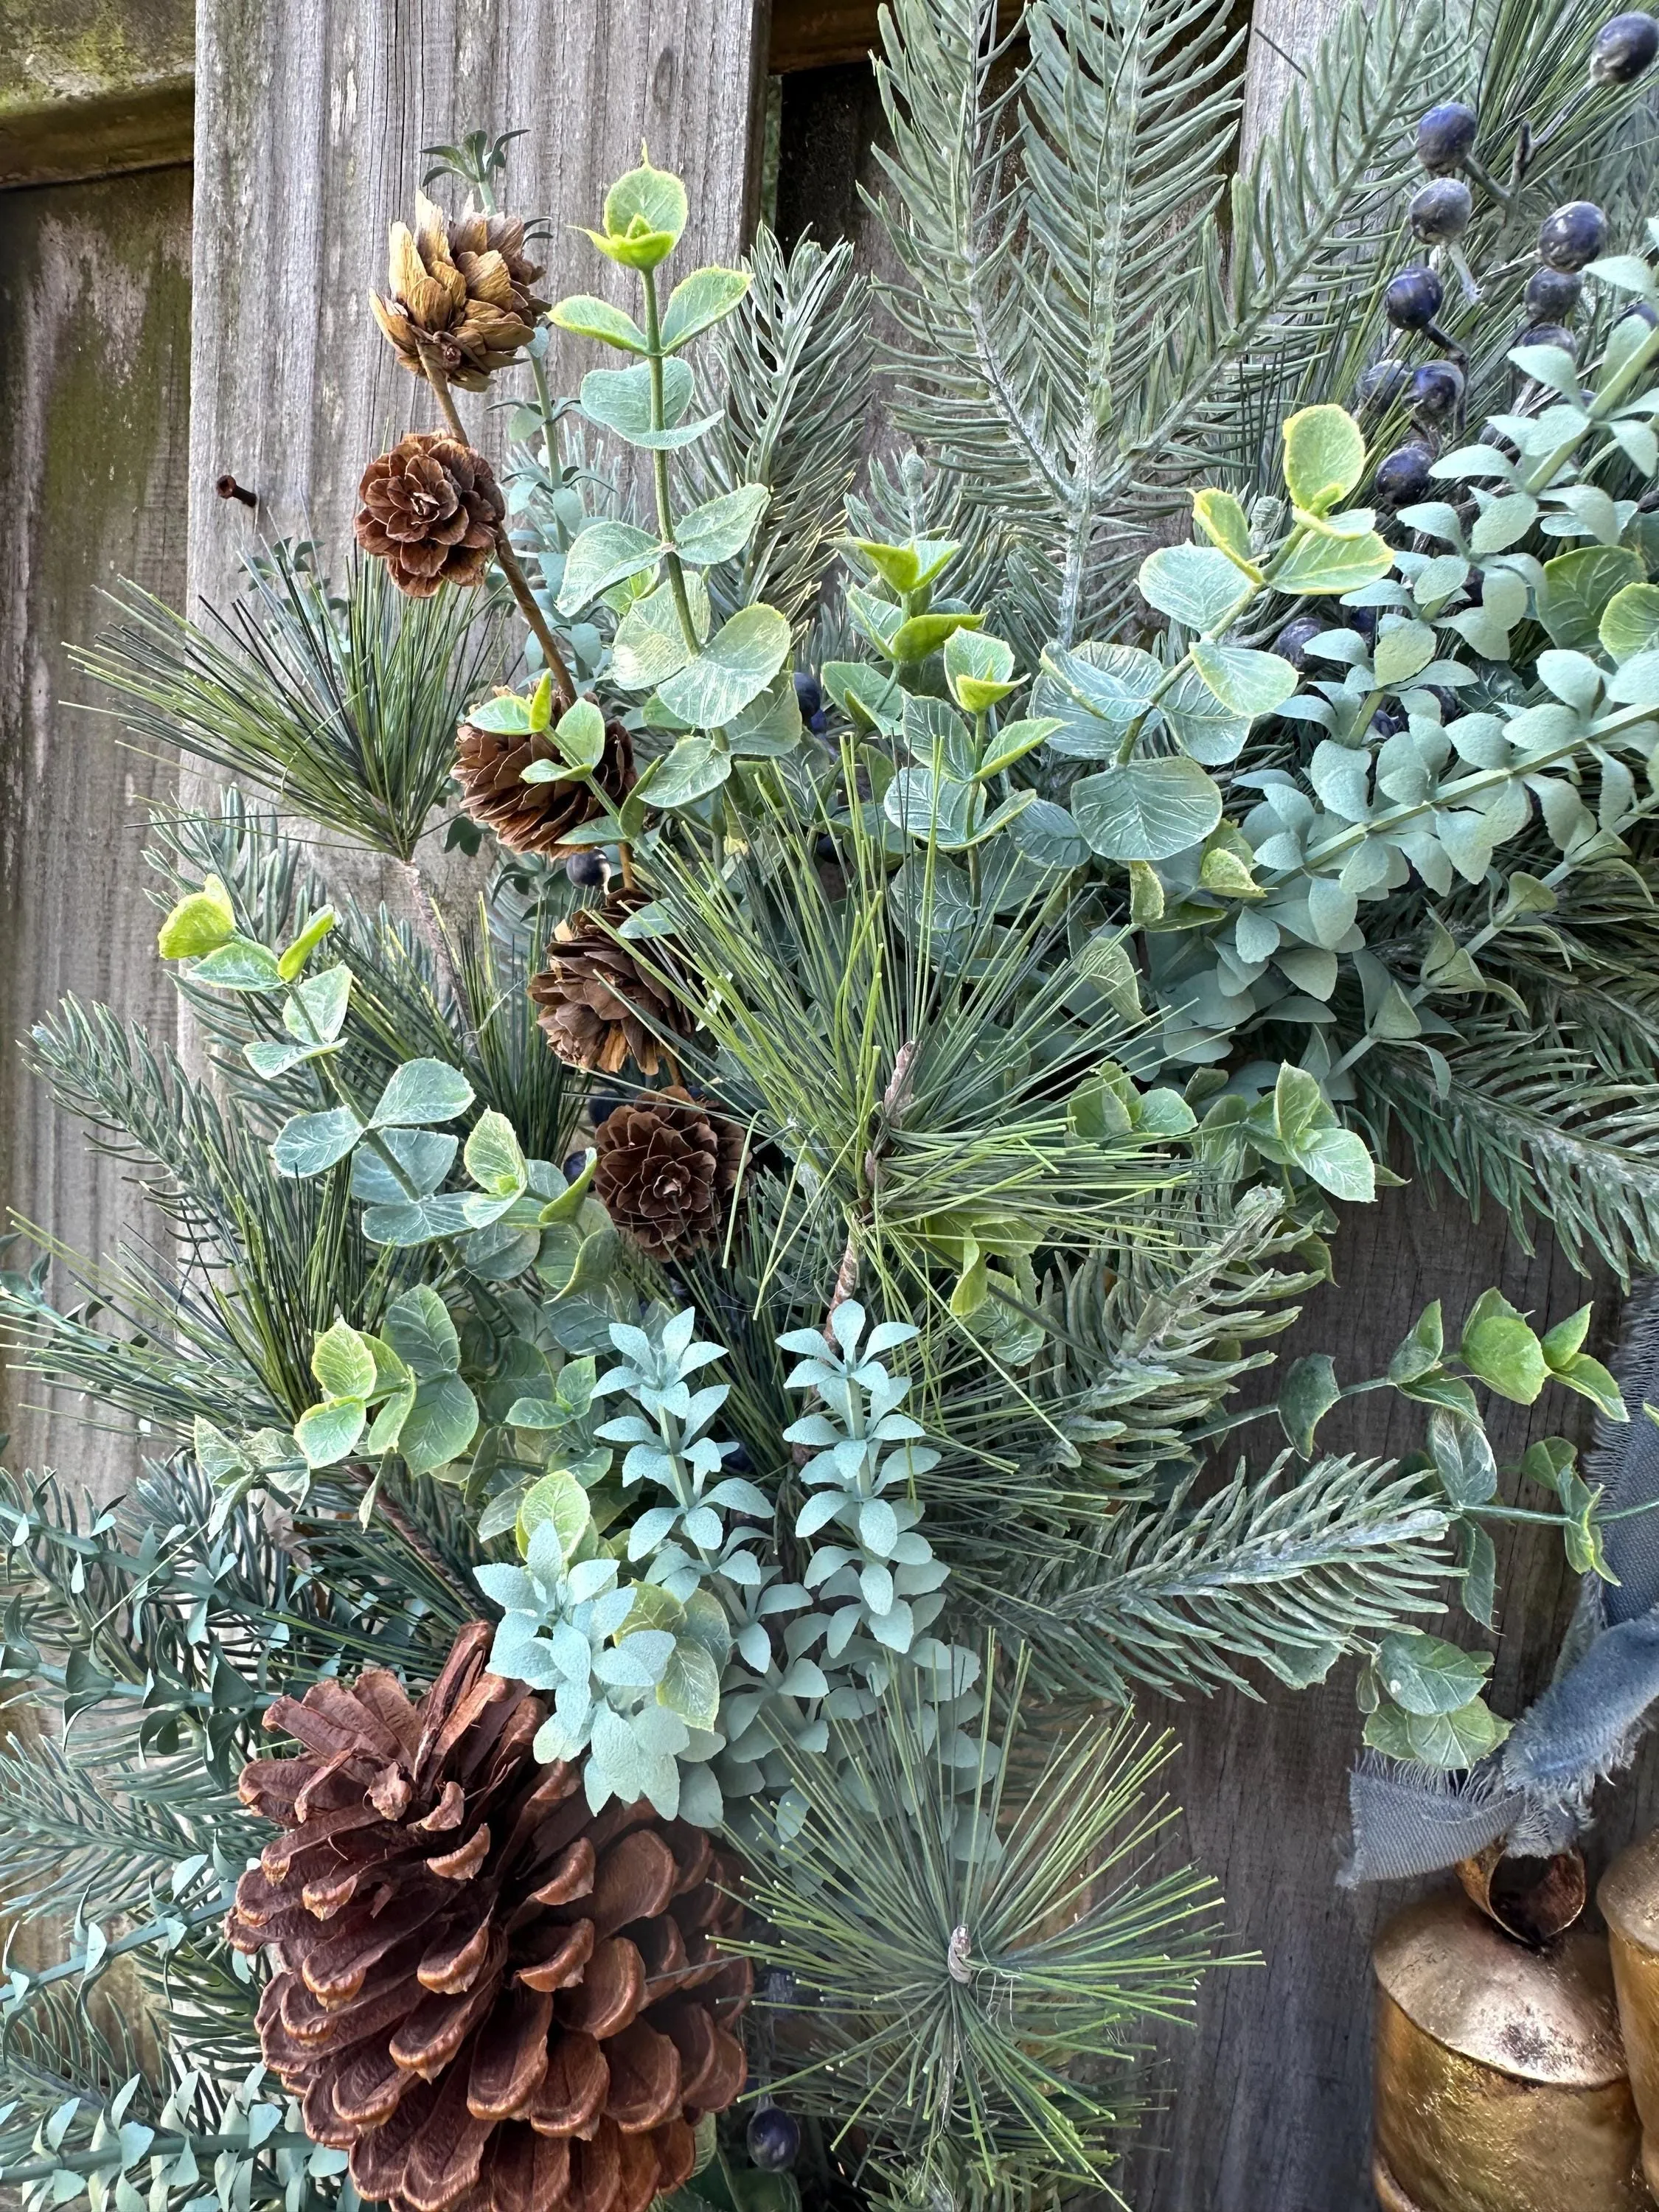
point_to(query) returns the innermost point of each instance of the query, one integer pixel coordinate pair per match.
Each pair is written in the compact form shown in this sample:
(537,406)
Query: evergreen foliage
(1064,911)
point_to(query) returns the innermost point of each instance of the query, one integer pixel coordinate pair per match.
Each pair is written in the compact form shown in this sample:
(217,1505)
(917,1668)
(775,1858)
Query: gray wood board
(95,299)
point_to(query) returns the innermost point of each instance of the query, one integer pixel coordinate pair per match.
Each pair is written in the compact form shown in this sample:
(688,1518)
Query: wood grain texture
(310,116)
(95,301)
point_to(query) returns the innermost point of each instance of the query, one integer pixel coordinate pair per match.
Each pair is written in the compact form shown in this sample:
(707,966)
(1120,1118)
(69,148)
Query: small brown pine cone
(431,510)
(665,1171)
(596,1006)
(495,2000)
(460,295)
(536,817)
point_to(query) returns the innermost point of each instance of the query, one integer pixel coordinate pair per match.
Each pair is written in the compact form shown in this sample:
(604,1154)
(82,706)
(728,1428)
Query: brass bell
(1629,1898)
(1500,2078)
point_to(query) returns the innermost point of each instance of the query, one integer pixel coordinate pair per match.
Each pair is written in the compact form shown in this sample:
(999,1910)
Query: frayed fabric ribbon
(1534,1789)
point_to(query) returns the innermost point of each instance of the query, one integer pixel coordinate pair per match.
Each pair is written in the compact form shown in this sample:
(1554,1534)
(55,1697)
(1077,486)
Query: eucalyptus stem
(659,466)
(563,683)
(331,1076)
(1217,629)
(1542,471)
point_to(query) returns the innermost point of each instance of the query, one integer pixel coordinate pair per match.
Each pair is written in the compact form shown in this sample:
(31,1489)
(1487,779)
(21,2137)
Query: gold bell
(1500,2076)
(1629,1898)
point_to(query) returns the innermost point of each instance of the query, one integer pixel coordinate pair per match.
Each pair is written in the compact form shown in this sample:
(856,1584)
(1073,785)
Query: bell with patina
(1500,2076)
(1629,1898)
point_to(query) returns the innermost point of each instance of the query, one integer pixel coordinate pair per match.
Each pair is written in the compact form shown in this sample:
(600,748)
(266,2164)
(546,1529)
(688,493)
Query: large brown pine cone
(431,510)
(496,2001)
(460,293)
(536,817)
(592,996)
(666,1170)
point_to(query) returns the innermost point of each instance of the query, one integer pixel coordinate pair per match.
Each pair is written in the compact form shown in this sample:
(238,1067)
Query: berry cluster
(1439,213)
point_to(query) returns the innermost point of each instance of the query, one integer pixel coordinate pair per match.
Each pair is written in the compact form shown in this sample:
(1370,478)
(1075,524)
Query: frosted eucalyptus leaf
(1195,584)
(306,1144)
(1576,588)
(604,554)
(1426,1674)
(1630,622)
(1146,810)
(734,667)
(703,299)
(1246,683)
(420,1092)
(721,526)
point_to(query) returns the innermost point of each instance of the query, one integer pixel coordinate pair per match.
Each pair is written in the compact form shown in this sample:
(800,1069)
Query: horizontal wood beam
(94,87)
(108,134)
(809,34)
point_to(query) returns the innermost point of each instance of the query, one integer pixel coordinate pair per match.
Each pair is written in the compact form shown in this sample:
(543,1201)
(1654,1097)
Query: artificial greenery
(1202,771)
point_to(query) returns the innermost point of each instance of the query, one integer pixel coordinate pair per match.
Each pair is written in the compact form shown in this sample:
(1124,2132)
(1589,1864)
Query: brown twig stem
(563,681)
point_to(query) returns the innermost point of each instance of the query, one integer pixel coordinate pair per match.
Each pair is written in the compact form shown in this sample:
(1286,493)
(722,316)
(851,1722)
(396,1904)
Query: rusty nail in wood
(227,488)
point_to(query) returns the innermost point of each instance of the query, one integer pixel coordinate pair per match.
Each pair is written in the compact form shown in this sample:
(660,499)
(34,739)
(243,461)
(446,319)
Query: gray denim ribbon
(1535,1788)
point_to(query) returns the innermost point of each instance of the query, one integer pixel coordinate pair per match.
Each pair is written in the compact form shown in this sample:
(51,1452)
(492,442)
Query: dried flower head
(458,294)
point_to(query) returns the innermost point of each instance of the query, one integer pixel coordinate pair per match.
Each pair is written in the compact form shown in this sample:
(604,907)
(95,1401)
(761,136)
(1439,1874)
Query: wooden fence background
(190,213)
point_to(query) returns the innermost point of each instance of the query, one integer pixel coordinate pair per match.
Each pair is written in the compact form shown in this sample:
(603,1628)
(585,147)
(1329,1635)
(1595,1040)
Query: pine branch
(1289,1575)
(344,711)
(1533,1122)
(794,362)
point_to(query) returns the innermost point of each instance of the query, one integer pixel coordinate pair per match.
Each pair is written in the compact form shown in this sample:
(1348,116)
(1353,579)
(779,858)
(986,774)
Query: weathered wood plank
(311,117)
(94,87)
(95,299)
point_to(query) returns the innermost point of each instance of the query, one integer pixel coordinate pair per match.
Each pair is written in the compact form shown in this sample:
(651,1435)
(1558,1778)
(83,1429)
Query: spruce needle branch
(564,683)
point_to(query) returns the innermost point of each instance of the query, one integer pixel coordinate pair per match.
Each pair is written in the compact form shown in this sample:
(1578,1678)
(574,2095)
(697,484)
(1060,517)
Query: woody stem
(563,683)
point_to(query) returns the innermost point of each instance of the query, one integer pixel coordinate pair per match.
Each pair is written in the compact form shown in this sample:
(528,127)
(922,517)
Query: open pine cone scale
(495,2000)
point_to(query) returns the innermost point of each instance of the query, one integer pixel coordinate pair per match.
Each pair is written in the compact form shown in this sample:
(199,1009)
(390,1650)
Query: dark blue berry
(811,697)
(1402,476)
(587,868)
(602,1104)
(1553,294)
(1363,619)
(1292,642)
(1440,212)
(1382,384)
(774,2138)
(1386,724)
(1550,334)
(1437,390)
(1571,236)
(737,1460)
(573,1166)
(1640,310)
(1412,300)
(825,851)
(1625,47)
(1445,136)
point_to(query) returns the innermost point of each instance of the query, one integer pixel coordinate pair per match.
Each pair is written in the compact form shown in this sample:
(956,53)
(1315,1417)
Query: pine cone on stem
(536,817)
(495,1999)
(666,1166)
(460,295)
(432,510)
(593,997)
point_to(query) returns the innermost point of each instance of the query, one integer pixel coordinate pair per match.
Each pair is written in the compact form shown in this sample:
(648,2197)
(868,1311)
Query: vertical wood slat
(310,116)
(94,302)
